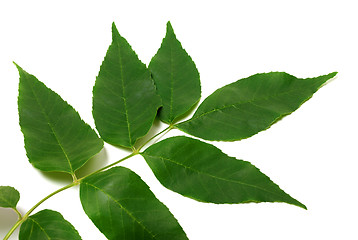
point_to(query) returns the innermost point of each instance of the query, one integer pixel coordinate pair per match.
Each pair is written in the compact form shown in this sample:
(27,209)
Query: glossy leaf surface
(9,197)
(176,78)
(47,225)
(56,138)
(248,106)
(121,205)
(125,101)
(201,171)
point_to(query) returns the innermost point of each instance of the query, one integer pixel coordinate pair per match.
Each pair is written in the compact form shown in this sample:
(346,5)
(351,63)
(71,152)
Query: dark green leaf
(9,197)
(121,205)
(176,78)
(125,102)
(56,138)
(248,106)
(201,171)
(47,225)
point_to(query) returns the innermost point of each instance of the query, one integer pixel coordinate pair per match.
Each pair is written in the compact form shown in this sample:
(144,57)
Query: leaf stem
(156,135)
(74,177)
(17,212)
(23,219)
(76,182)
(108,166)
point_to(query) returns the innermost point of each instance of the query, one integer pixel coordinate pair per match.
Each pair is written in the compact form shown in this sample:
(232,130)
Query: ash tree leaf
(47,224)
(248,106)
(9,197)
(201,171)
(121,205)
(125,101)
(176,78)
(56,138)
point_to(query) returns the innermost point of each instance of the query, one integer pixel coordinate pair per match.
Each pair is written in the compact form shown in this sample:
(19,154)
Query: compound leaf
(9,197)
(125,101)
(248,106)
(56,138)
(201,171)
(176,78)
(47,224)
(121,205)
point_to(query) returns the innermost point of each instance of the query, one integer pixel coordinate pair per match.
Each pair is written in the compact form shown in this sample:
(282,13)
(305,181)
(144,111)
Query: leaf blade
(47,224)
(56,138)
(248,106)
(126,211)
(125,102)
(9,197)
(202,172)
(172,68)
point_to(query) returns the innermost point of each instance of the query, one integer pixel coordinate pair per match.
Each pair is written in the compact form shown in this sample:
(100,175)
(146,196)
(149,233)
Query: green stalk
(76,182)
(156,135)
(23,219)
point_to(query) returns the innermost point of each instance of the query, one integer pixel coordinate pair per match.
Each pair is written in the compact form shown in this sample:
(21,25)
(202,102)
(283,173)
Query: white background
(311,154)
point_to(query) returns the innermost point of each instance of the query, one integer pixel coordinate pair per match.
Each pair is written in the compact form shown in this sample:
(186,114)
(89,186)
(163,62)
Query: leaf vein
(122,207)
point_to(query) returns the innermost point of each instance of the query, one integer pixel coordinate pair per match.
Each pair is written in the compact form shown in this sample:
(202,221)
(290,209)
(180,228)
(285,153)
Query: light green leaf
(121,205)
(201,171)
(176,78)
(125,102)
(248,106)
(47,225)
(9,197)
(56,138)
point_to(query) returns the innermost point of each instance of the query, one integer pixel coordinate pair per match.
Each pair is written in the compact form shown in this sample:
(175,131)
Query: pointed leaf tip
(15,64)
(114,31)
(169,26)
(19,69)
(114,26)
(333,74)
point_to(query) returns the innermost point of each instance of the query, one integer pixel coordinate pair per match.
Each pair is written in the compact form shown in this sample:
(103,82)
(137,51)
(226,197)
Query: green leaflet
(56,138)
(122,207)
(47,224)
(125,102)
(9,197)
(176,78)
(201,171)
(248,106)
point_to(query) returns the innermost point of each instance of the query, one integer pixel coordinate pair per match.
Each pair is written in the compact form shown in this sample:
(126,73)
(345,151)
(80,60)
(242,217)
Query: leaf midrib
(171,82)
(123,92)
(122,207)
(235,105)
(52,129)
